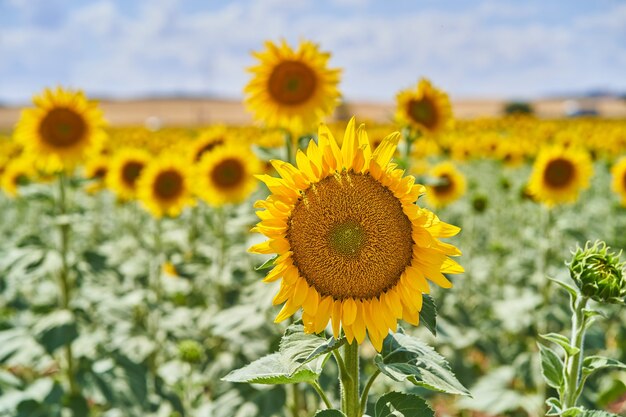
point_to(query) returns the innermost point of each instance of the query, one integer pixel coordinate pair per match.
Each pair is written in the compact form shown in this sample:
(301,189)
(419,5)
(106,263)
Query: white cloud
(495,49)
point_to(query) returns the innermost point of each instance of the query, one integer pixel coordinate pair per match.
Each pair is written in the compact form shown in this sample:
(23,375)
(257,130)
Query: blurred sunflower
(451,185)
(125,169)
(559,174)
(292,89)
(62,128)
(352,245)
(425,108)
(17,172)
(618,183)
(96,170)
(206,142)
(226,175)
(164,186)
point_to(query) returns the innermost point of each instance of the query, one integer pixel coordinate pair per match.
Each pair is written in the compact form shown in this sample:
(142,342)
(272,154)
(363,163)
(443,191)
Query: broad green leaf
(428,315)
(56,330)
(406,358)
(267,264)
(554,407)
(551,367)
(596,413)
(562,341)
(572,412)
(594,363)
(329,413)
(302,348)
(273,369)
(398,404)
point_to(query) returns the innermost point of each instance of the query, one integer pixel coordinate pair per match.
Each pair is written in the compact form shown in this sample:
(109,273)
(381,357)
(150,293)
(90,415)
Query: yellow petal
(312,301)
(336,318)
(287,311)
(384,152)
(300,292)
(349,145)
(349,311)
(323,314)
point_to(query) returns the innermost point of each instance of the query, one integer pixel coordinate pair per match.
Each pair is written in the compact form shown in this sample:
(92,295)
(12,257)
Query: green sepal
(405,358)
(398,404)
(267,264)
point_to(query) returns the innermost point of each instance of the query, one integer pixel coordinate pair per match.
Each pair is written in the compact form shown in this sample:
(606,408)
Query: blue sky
(484,48)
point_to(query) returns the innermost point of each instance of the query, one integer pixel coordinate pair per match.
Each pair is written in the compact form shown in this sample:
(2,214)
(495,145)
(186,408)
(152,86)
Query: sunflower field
(424,266)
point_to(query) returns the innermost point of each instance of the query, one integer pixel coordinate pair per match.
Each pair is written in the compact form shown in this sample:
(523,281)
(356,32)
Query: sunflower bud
(190,351)
(598,273)
(479,203)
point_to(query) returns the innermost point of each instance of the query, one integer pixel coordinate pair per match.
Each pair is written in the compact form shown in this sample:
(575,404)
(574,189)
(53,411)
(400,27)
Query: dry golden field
(194,112)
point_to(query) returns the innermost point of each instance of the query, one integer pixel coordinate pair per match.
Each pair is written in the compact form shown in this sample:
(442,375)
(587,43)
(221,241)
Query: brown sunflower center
(624,180)
(350,237)
(445,185)
(292,83)
(227,174)
(131,171)
(62,128)
(559,172)
(100,172)
(168,184)
(424,112)
(208,148)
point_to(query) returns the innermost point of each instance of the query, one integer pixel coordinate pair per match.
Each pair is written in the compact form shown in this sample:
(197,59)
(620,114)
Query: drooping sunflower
(164,186)
(424,108)
(618,182)
(352,245)
(292,89)
(61,129)
(17,172)
(451,185)
(559,174)
(125,169)
(226,175)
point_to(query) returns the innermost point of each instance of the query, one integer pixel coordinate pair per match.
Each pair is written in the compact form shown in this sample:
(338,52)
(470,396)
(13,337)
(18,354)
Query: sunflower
(618,184)
(559,174)
(226,175)
(206,142)
(450,185)
(125,169)
(164,186)
(96,170)
(17,172)
(352,246)
(292,89)
(61,130)
(425,108)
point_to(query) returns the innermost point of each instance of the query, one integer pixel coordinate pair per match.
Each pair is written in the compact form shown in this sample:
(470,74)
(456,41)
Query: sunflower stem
(64,278)
(574,362)
(316,385)
(350,400)
(366,390)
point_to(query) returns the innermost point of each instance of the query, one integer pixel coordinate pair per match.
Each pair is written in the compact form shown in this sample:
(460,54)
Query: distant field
(193,112)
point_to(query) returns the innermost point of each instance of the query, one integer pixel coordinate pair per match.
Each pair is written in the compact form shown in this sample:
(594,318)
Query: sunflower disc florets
(598,273)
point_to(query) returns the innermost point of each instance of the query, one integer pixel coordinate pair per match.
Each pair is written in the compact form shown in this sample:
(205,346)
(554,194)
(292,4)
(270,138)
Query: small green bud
(598,273)
(190,351)
(479,203)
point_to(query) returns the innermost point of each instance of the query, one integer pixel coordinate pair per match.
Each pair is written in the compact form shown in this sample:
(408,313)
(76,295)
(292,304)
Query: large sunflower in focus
(424,108)
(559,174)
(226,175)
(618,183)
(124,171)
(292,89)
(352,245)
(450,185)
(61,130)
(164,187)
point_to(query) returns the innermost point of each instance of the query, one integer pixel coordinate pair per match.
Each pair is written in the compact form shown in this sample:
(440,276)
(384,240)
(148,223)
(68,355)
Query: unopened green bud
(190,351)
(479,203)
(598,273)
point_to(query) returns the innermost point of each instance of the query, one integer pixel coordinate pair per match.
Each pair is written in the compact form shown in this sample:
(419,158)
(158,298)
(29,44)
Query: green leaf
(571,290)
(300,358)
(329,413)
(594,363)
(406,358)
(78,405)
(428,315)
(273,369)
(562,341)
(551,367)
(596,413)
(398,404)
(554,407)
(55,330)
(267,264)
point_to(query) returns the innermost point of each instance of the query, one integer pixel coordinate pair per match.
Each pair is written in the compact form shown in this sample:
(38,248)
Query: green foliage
(551,367)
(398,404)
(518,107)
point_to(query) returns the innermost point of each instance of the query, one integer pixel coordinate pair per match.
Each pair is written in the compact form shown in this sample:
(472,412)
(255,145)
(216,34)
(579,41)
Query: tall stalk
(350,400)
(573,383)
